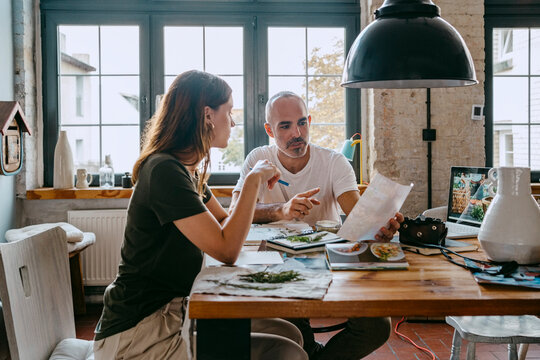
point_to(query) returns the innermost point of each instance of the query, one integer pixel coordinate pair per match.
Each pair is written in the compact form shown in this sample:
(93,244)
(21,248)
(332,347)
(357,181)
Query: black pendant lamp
(409,45)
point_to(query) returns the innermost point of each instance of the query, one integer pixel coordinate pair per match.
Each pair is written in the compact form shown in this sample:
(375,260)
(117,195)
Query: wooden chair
(511,330)
(36,297)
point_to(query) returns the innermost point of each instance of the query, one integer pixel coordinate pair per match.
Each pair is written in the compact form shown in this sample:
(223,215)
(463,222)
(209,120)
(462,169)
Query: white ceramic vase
(511,227)
(63,163)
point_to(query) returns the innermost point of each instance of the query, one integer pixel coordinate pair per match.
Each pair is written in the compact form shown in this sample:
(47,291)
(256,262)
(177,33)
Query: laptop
(468,200)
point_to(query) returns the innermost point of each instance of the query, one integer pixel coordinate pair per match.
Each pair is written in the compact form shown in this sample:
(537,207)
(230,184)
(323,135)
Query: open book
(303,243)
(366,255)
(280,229)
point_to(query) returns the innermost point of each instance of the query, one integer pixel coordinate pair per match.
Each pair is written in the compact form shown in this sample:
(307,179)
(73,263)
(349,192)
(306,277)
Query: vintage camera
(423,230)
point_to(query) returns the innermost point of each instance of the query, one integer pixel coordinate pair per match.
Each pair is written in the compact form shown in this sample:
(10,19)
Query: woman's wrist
(253,179)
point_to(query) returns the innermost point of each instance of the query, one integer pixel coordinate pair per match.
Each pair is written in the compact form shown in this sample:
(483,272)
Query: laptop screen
(469,197)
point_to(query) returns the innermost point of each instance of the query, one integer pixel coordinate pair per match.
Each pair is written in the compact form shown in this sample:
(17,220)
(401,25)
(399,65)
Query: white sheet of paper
(250,258)
(380,202)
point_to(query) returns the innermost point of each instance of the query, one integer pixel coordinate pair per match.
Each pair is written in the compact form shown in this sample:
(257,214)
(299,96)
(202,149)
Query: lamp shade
(408,46)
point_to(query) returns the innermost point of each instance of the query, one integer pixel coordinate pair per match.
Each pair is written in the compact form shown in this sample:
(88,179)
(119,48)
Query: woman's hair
(178,126)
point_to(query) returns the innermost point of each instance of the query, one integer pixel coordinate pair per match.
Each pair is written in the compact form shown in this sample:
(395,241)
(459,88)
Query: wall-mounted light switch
(477,112)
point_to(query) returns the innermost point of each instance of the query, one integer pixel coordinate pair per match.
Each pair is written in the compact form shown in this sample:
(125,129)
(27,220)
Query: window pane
(237,85)
(286,51)
(79,100)
(535,51)
(510,145)
(510,100)
(183,49)
(535,147)
(84,143)
(326,51)
(510,51)
(326,100)
(224,50)
(535,99)
(120,99)
(329,136)
(231,158)
(120,49)
(168,82)
(78,49)
(122,143)
(296,84)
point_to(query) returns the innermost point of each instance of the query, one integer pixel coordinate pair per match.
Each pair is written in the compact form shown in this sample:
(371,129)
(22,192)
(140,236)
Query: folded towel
(73,234)
(88,239)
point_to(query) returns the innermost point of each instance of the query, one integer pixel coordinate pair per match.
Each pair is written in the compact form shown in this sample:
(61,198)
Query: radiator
(100,261)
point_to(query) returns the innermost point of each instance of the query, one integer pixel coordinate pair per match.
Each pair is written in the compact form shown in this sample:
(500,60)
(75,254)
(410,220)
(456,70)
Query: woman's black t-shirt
(158,262)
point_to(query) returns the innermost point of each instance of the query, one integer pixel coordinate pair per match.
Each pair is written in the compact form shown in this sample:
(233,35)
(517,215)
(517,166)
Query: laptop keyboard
(455,229)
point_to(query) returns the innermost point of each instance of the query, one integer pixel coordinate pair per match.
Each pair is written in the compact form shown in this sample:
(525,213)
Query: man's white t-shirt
(326,169)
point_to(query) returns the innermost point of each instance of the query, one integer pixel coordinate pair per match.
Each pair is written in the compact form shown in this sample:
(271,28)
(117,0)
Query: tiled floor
(436,336)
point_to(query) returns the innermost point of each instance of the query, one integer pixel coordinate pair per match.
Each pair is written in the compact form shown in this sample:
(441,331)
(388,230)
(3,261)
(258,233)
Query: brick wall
(394,119)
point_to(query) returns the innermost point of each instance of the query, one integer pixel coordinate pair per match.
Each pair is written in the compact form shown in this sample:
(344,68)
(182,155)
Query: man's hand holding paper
(381,201)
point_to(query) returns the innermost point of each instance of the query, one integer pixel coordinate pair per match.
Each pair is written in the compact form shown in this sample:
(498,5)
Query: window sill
(114,193)
(100,193)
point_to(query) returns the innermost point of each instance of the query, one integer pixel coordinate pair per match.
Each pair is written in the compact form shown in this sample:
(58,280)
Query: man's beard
(297,152)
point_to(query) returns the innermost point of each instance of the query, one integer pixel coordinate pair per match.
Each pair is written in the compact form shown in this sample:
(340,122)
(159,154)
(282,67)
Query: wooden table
(431,286)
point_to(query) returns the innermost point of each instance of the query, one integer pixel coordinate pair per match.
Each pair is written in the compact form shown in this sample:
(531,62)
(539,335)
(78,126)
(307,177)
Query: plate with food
(350,249)
(387,251)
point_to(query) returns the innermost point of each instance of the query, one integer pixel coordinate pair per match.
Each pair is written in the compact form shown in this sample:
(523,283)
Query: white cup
(82,179)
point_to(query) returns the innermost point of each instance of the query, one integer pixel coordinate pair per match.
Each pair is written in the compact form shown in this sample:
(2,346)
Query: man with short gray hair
(312,170)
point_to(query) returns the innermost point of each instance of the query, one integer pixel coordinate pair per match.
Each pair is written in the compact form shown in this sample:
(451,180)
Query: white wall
(7,183)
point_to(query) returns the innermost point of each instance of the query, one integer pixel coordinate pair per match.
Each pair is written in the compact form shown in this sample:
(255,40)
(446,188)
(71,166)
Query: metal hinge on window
(254,22)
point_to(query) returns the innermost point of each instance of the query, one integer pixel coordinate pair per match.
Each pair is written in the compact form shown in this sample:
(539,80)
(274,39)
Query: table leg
(77,286)
(221,339)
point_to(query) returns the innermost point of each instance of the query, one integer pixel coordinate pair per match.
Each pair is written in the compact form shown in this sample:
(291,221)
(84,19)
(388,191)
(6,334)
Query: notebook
(468,200)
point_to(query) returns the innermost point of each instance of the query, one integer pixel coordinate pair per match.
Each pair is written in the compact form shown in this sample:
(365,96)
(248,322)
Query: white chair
(511,330)
(36,297)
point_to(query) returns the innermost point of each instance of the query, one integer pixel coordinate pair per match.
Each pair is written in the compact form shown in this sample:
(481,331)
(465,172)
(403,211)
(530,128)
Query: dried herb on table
(271,277)
(263,277)
(240,286)
(306,239)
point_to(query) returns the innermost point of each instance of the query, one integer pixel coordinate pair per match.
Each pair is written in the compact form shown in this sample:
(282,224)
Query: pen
(279,180)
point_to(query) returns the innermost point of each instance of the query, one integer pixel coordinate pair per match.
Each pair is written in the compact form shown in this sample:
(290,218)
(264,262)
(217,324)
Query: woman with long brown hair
(172,220)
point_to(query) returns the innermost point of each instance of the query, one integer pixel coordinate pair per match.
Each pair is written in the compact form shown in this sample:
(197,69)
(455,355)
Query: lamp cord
(506,268)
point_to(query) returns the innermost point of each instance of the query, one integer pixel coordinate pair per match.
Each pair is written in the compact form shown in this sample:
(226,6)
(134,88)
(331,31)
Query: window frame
(51,101)
(504,14)
(152,16)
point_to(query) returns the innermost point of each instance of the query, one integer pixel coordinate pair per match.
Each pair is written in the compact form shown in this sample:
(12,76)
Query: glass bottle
(106,173)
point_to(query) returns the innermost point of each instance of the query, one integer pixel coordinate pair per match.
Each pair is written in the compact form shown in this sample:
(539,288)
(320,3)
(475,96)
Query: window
(99,72)
(218,50)
(513,90)
(101,69)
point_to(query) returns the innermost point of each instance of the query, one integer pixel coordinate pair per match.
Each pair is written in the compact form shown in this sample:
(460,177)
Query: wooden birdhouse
(12,126)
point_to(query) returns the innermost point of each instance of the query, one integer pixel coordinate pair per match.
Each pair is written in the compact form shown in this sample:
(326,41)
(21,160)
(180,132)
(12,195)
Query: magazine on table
(302,243)
(366,255)
(524,275)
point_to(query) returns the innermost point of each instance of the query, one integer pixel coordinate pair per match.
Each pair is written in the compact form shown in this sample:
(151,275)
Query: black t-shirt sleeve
(173,193)
(207,194)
